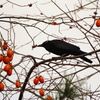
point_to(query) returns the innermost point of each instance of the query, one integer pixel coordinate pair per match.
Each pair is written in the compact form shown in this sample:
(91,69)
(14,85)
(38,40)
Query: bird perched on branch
(62,48)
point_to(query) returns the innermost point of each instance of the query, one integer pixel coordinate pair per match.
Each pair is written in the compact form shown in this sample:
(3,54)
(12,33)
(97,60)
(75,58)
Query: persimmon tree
(31,73)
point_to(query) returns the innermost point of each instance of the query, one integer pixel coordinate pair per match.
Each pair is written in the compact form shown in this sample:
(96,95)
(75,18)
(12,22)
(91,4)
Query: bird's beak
(39,45)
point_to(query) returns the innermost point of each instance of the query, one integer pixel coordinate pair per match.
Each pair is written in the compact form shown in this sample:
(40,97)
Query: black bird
(62,48)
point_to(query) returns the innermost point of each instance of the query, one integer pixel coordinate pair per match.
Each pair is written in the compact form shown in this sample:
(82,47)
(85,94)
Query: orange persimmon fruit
(54,23)
(1,86)
(7,67)
(1,57)
(41,79)
(18,85)
(6,59)
(36,80)
(41,91)
(11,58)
(5,46)
(98,22)
(10,52)
(49,97)
(9,72)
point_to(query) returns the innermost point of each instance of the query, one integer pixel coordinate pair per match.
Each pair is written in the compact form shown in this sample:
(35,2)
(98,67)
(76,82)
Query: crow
(62,48)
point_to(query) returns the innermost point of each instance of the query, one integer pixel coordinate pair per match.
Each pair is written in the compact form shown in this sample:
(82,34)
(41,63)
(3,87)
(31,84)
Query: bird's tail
(86,59)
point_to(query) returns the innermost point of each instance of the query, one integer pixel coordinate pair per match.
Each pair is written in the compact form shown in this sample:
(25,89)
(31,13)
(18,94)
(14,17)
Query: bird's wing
(64,45)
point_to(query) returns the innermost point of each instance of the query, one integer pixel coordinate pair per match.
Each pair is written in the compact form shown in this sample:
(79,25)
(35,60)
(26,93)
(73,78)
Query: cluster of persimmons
(6,57)
(41,91)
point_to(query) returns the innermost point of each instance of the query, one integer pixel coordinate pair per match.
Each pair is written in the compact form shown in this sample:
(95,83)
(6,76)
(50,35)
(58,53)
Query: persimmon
(1,86)
(1,58)
(5,46)
(10,52)
(36,80)
(18,85)
(49,97)
(54,23)
(98,22)
(11,58)
(41,91)
(41,79)
(6,59)
(7,67)
(9,72)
